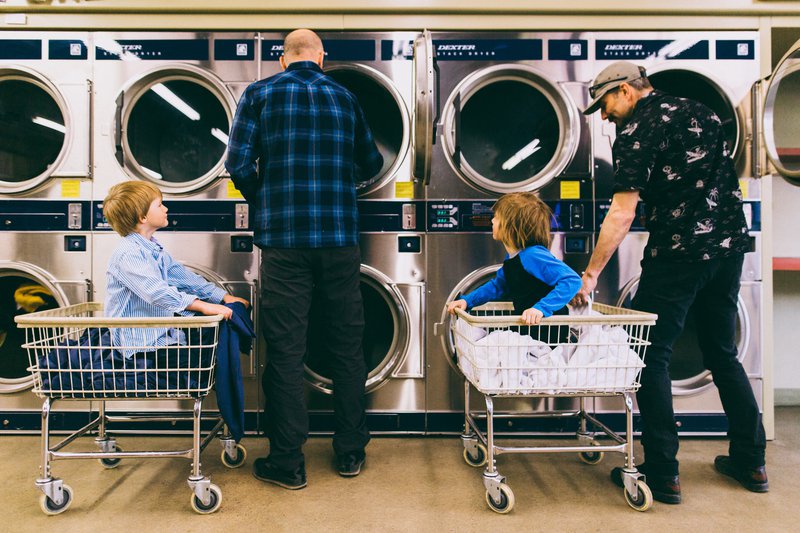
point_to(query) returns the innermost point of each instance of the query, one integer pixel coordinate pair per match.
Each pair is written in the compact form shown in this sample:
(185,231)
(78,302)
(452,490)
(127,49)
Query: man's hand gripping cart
(599,354)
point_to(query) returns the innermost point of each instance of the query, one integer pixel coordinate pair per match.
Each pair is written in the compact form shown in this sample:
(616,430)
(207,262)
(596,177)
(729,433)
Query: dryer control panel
(475,216)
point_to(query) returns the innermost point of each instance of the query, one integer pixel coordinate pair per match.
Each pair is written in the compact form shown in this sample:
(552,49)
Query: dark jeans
(289,278)
(670,289)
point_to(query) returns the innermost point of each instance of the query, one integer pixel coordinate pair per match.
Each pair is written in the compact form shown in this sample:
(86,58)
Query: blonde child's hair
(524,220)
(127,203)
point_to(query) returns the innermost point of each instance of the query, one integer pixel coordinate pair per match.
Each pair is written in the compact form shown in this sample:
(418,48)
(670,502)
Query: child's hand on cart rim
(458,304)
(532,316)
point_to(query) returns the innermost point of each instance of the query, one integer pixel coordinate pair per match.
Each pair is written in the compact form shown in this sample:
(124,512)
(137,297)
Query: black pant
(289,278)
(670,289)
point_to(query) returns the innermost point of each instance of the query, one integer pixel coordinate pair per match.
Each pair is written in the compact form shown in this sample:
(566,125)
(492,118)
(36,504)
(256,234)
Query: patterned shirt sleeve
(367,157)
(241,162)
(635,152)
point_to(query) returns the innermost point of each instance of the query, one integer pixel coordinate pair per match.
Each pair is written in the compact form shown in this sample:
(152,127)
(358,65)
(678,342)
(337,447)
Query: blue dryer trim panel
(44,215)
(68,49)
(26,49)
(335,49)
(488,49)
(157,50)
(475,216)
(189,215)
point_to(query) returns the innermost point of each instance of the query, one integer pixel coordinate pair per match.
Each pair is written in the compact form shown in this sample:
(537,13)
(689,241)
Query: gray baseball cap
(609,79)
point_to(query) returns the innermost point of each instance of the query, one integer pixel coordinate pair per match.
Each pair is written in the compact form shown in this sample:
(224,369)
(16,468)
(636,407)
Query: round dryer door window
(20,294)
(686,369)
(386,115)
(508,128)
(782,116)
(32,132)
(386,334)
(697,87)
(175,133)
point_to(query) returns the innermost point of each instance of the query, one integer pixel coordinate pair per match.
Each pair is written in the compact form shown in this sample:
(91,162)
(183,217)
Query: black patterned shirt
(673,150)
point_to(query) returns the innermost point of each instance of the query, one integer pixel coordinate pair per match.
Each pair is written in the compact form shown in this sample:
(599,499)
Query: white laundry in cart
(596,354)
(73,357)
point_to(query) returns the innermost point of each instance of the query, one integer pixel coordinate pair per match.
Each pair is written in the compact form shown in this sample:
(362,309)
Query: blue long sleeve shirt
(540,263)
(298,144)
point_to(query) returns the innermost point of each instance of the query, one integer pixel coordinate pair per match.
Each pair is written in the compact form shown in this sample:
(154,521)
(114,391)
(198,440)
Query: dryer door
(172,128)
(686,369)
(508,128)
(386,114)
(33,130)
(387,333)
(424,106)
(781,115)
(23,289)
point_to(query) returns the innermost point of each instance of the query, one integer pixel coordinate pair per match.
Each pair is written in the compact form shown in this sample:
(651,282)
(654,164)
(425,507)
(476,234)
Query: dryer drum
(386,115)
(176,132)
(689,84)
(386,332)
(19,295)
(32,130)
(686,369)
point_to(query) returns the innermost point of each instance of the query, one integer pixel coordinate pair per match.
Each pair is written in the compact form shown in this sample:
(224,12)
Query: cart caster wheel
(506,502)
(49,507)
(213,504)
(111,463)
(592,458)
(644,500)
(234,462)
(479,460)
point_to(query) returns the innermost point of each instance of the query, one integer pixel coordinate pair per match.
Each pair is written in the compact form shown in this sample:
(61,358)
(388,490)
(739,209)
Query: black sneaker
(753,479)
(266,471)
(665,489)
(349,464)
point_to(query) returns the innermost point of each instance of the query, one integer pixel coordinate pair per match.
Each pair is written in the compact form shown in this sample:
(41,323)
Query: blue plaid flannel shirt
(298,143)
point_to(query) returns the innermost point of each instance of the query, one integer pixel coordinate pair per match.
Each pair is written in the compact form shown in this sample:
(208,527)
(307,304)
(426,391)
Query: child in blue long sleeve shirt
(538,284)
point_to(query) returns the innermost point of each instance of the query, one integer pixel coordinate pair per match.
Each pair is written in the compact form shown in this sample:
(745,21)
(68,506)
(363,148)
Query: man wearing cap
(671,152)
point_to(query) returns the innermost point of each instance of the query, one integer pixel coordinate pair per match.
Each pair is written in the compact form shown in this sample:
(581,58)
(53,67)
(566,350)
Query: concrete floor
(409,484)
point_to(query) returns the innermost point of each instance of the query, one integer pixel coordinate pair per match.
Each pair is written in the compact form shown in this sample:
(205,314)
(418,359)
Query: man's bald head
(302,45)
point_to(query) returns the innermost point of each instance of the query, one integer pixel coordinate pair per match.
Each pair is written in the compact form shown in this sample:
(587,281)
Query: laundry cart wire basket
(599,353)
(77,354)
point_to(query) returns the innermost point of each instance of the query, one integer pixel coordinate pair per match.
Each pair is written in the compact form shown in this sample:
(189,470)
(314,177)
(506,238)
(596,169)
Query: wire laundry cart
(75,354)
(599,354)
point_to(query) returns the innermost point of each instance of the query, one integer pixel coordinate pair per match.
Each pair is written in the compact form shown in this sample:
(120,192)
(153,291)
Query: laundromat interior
(98,92)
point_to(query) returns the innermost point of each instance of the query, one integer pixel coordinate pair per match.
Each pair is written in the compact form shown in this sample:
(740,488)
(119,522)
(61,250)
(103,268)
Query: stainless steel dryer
(462,256)
(46,263)
(716,68)
(378,68)
(211,238)
(164,107)
(508,107)
(697,406)
(45,109)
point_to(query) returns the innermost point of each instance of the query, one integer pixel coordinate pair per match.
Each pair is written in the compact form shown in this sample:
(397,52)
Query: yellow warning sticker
(233,192)
(744,185)
(70,188)
(404,189)
(570,190)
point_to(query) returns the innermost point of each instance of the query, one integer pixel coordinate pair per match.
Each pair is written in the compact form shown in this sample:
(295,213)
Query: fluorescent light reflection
(172,99)
(152,173)
(49,124)
(523,154)
(219,134)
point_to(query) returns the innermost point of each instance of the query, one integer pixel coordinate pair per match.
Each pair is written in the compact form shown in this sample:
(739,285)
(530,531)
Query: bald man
(298,146)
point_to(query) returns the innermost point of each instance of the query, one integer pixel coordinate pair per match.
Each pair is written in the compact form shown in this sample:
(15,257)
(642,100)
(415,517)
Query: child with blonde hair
(538,284)
(143,279)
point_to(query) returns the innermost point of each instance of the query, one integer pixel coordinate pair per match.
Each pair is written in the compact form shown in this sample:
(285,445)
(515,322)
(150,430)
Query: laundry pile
(598,358)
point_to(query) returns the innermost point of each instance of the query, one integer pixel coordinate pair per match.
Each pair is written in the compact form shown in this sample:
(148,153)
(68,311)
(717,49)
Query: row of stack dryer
(460,119)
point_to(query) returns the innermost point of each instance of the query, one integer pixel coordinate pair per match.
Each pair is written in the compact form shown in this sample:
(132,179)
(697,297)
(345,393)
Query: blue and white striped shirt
(143,280)
(298,145)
